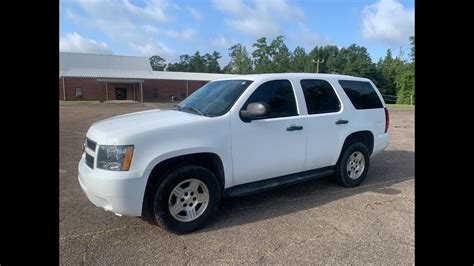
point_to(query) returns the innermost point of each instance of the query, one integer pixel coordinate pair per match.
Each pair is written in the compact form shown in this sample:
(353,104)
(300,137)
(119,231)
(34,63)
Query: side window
(78,92)
(361,94)
(279,95)
(319,96)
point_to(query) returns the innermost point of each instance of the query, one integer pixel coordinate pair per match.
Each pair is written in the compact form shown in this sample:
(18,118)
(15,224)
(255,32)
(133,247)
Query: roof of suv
(293,75)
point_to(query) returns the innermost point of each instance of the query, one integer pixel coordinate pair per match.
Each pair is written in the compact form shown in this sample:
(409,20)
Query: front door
(120,93)
(269,147)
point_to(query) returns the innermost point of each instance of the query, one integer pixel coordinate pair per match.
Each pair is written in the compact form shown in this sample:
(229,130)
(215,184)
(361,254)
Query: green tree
(355,61)
(157,63)
(196,63)
(328,55)
(240,62)
(262,56)
(389,68)
(298,60)
(406,85)
(214,66)
(227,69)
(211,62)
(412,52)
(313,55)
(406,79)
(183,65)
(280,56)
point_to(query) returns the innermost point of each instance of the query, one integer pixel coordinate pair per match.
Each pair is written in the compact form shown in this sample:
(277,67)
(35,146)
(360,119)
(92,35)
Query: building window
(156,94)
(78,92)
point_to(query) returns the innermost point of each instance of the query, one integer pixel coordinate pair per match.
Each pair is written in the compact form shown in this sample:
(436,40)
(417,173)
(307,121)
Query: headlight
(115,158)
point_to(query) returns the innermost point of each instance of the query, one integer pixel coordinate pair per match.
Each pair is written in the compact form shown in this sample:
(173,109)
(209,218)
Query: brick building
(111,77)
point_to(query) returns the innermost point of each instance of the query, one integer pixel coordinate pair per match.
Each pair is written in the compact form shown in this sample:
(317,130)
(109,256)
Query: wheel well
(365,137)
(210,161)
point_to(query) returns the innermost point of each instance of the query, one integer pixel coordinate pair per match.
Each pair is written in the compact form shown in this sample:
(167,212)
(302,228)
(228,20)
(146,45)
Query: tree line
(393,75)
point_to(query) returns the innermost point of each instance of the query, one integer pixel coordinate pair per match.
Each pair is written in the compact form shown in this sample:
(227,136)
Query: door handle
(293,128)
(341,121)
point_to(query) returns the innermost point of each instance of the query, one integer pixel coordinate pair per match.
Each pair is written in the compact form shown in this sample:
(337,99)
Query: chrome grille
(90,144)
(90,161)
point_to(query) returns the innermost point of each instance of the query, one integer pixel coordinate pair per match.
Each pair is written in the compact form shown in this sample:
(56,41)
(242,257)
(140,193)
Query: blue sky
(171,28)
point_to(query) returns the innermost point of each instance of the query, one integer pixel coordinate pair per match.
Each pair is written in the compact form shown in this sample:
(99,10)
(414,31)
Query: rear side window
(361,94)
(279,95)
(319,96)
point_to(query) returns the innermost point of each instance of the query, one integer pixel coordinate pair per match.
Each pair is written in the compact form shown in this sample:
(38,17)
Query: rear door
(270,147)
(326,122)
(369,113)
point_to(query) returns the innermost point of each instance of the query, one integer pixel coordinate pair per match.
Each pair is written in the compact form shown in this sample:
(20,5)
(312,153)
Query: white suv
(233,137)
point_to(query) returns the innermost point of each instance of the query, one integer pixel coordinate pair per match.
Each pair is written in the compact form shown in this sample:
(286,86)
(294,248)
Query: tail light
(387,120)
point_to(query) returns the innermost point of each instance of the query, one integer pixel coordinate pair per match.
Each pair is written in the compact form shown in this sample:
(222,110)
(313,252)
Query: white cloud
(262,19)
(154,10)
(305,37)
(74,42)
(279,8)
(187,34)
(388,21)
(143,29)
(150,29)
(195,13)
(221,42)
(149,49)
(235,7)
(255,27)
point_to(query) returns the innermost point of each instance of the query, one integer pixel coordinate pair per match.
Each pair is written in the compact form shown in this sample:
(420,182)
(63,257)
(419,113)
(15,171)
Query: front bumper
(118,192)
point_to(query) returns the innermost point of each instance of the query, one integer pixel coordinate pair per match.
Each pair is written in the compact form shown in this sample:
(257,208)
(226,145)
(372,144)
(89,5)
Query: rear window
(362,94)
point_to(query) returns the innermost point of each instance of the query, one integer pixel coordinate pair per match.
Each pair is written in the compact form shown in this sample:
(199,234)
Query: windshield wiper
(193,109)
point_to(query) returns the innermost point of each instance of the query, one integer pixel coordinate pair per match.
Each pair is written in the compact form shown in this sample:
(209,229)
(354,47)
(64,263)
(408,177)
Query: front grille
(90,161)
(90,144)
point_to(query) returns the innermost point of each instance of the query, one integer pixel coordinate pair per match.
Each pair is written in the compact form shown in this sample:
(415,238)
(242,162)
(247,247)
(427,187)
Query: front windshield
(215,98)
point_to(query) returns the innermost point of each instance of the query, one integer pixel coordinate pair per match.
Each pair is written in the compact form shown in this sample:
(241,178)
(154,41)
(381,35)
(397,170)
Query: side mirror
(258,110)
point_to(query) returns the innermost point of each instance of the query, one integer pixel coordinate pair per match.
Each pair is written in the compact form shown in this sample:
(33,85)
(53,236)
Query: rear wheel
(353,165)
(186,199)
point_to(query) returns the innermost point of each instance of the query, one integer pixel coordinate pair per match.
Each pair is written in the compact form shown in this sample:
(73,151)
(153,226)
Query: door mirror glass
(257,110)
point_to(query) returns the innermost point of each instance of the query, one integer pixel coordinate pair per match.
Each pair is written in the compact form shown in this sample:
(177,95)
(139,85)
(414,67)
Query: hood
(107,131)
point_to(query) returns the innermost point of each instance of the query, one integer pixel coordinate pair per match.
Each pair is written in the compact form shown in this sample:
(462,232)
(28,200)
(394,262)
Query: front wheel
(186,199)
(353,165)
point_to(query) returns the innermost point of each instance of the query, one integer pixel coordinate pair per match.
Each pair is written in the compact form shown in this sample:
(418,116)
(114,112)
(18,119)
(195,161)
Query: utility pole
(317,64)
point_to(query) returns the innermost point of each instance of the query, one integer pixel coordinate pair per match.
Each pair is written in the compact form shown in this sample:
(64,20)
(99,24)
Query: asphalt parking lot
(316,222)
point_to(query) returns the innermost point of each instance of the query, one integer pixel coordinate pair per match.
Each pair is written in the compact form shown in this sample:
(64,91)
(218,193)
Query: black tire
(342,175)
(162,193)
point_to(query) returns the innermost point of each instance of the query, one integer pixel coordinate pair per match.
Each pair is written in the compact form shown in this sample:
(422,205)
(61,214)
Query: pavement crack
(185,247)
(86,252)
(341,232)
(100,232)
(368,244)
(72,131)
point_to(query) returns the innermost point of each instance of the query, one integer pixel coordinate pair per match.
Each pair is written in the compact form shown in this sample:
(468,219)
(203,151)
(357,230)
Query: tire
(349,171)
(183,220)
